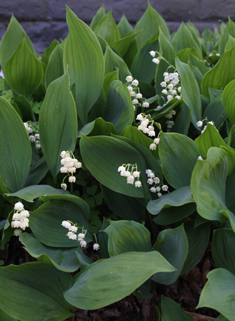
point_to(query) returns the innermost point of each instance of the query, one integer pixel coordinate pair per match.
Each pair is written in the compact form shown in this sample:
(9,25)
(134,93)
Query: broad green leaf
(167,51)
(228,101)
(37,172)
(230,152)
(209,138)
(120,109)
(127,236)
(64,259)
(221,318)
(124,26)
(108,79)
(6,317)
(121,46)
(15,147)
(219,293)
(222,249)
(97,127)
(220,75)
(230,199)
(179,197)
(110,153)
(25,108)
(57,122)
(96,19)
(48,51)
(184,39)
(31,192)
(190,90)
(85,61)
(23,71)
(173,245)
(229,30)
(138,136)
(143,68)
(38,292)
(230,43)
(126,207)
(55,67)
(182,121)
(11,40)
(114,278)
(178,155)
(107,28)
(113,61)
(148,25)
(172,311)
(215,111)
(208,184)
(45,221)
(198,238)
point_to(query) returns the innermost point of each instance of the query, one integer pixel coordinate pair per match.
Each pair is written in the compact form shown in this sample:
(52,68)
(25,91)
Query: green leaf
(198,238)
(64,259)
(179,197)
(208,184)
(84,58)
(173,245)
(57,122)
(148,25)
(113,61)
(172,311)
(229,30)
(48,51)
(97,127)
(45,221)
(121,46)
(34,283)
(6,317)
(11,40)
(127,236)
(120,109)
(96,19)
(112,279)
(230,43)
(107,28)
(37,172)
(126,207)
(34,191)
(108,79)
(178,155)
(55,67)
(190,90)
(215,111)
(219,293)
(222,249)
(209,138)
(220,75)
(184,39)
(23,71)
(15,147)
(25,108)
(228,101)
(124,26)
(142,67)
(110,153)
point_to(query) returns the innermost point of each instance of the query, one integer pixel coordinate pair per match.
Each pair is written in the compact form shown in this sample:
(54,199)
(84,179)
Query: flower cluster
(80,237)
(146,124)
(20,218)
(34,136)
(154,181)
(136,96)
(130,171)
(171,85)
(70,164)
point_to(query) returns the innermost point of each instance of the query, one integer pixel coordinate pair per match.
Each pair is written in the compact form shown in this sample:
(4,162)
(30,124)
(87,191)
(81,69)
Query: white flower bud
(96,247)
(138,184)
(73,229)
(64,186)
(17,232)
(156,141)
(152,53)
(199,123)
(139,96)
(130,179)
(81,236)
(139,117)
(72,179)
(200,158)
(153,146)
(164,91)
(153,190)
(145,104)
(156,60)
(32,138)
(132,93)
(121,169)
(66,224)
(135,82)
(150,181)
(165,188)
(18,206)
(159,194)
(37,136)
(129,78)
(136,174)
(129,88)
(135,101)
(83,243)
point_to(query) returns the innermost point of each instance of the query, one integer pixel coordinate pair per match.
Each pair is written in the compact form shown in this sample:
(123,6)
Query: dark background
(44,20)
